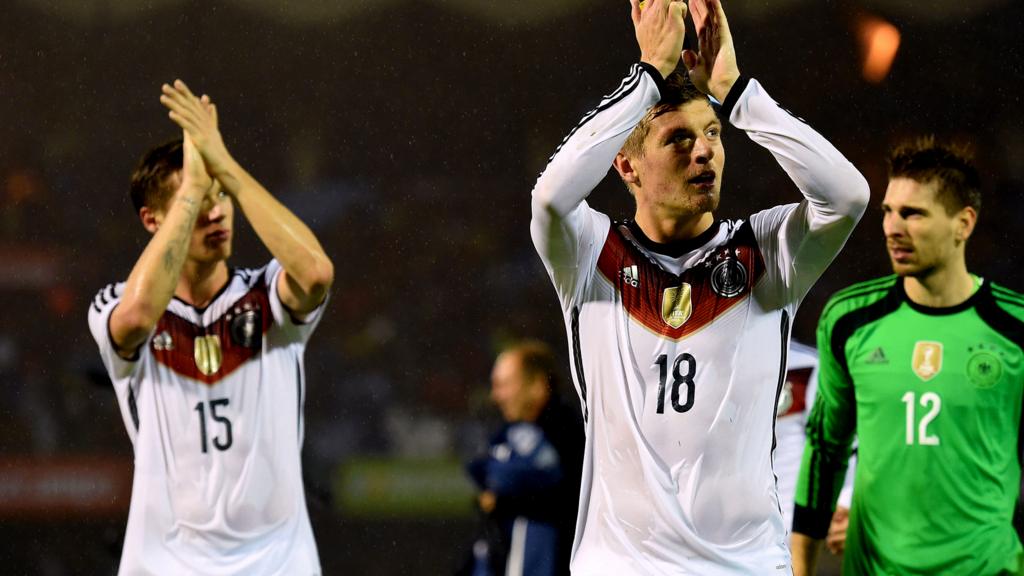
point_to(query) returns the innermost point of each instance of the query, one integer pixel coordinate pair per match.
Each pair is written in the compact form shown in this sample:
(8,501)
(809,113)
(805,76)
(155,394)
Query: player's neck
(665,229)
(942,288)
(201,281)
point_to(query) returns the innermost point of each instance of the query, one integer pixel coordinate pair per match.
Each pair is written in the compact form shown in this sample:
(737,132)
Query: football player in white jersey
(206,361)
(678,321)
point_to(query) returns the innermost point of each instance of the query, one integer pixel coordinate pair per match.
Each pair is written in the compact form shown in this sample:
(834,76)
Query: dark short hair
(151,186)
(536,359)
(949,164)
(678,90)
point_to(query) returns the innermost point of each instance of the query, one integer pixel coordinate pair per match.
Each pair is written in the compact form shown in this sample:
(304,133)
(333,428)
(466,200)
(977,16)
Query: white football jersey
(679,351)
(213,406)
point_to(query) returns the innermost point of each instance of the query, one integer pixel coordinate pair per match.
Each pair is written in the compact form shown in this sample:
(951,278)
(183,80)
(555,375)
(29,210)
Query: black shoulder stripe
(626,87)
(855,292)
(1000,320)
(866,287)
(1007,296)
(860,286)
(850,322)
(104,296)
(101,296)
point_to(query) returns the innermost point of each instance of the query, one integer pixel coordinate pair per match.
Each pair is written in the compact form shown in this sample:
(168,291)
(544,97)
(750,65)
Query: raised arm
(154,277)
(585,156)
(835,193)
(307,271)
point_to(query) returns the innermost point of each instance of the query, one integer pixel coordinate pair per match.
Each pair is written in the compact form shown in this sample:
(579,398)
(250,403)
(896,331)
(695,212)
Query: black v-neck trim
(676,248)
(232,271)
(982,292)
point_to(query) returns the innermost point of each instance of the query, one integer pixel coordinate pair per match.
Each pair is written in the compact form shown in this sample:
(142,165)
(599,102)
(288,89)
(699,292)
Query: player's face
(920,235)
(681,171)
(510,388)
(211,238)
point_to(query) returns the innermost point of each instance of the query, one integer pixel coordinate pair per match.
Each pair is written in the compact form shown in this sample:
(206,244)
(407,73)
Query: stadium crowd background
(408,134)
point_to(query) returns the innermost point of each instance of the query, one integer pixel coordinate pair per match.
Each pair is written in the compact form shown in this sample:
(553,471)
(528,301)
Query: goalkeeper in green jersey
(926,367)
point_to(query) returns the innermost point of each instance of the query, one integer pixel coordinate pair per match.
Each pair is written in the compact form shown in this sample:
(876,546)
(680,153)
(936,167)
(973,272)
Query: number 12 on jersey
(927,399)
(678,379)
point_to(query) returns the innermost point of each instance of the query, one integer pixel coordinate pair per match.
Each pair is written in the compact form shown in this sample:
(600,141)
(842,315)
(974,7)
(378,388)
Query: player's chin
(706,200)
(216,253)
(905,268)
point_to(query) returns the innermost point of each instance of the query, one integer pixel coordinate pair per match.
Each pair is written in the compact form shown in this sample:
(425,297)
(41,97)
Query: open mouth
(703,179)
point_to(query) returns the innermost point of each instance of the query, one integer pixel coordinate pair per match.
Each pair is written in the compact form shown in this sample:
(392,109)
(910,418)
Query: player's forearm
(837,192)
(585,156)
(291,242)
(152,281)
(805,551)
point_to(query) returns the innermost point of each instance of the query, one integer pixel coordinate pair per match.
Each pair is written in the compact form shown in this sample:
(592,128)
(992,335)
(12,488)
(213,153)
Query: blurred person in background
(926,366)
(530,478)
(679,322)
(207,363)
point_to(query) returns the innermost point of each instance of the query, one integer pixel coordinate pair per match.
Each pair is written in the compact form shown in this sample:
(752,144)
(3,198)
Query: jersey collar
(971,302)
(676,248)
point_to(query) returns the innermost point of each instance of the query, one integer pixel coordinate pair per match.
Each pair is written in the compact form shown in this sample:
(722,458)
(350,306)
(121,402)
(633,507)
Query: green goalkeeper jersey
(934,396)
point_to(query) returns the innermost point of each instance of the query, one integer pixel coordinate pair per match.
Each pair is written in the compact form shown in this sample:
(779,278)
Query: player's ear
(965,222)
(151,219)
(625,169)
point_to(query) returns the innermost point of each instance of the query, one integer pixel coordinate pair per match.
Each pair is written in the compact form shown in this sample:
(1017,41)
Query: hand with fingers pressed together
(660,32)
(193,171)
(712,68)
(197,116)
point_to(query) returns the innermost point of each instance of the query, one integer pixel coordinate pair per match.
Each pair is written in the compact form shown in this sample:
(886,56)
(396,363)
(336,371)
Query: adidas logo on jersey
(877,357)
(631,276)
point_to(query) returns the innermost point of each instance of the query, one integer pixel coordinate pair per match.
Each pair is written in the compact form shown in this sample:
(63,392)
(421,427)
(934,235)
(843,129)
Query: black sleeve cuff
(811,522)
(734,94)
(656,76)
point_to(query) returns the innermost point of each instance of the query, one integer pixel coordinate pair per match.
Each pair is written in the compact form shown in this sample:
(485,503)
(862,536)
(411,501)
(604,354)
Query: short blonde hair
(677,90)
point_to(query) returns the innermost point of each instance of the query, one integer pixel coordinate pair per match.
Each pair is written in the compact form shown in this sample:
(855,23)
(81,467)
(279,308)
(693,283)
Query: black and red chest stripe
(722,280)
(238,335)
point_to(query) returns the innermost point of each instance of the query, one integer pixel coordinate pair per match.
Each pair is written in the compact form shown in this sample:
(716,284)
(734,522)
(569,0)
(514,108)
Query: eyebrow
(905,208)
(677,131)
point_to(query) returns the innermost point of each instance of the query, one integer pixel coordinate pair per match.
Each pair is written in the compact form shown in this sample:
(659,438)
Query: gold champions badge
(207,354)
(675,305)
(927,362)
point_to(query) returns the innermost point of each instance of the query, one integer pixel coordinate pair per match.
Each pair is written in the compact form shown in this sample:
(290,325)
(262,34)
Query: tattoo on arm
(173,258)
(169,261)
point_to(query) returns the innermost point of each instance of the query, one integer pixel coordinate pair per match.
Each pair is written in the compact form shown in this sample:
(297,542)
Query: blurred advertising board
(405,488)
(64,487)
